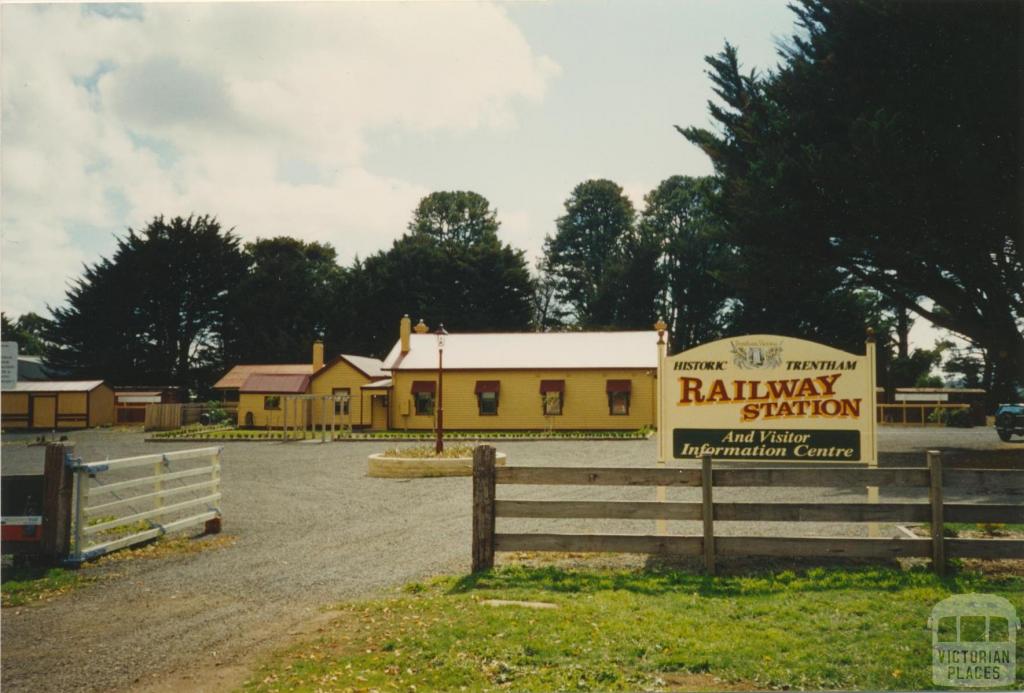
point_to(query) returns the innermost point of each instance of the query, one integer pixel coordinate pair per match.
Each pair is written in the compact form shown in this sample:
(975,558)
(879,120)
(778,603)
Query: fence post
(483,507)
(158,483)
(57,494)
(708,512)
(938,526)
(213,526)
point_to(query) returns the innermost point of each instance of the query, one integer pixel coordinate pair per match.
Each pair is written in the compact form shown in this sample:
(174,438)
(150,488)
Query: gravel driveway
(311,530)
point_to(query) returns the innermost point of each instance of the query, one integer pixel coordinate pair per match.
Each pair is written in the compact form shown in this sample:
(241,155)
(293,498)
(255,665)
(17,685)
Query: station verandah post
(298,414)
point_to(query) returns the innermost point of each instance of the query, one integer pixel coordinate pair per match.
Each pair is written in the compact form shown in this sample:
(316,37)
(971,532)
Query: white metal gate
(118,503)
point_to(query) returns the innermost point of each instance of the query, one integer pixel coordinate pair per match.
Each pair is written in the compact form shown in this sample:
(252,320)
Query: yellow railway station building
(490,381)
(359,383)
(524,380)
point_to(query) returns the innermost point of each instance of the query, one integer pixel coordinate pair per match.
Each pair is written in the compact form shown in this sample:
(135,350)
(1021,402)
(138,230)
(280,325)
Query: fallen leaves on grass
(26,585)
(169,546)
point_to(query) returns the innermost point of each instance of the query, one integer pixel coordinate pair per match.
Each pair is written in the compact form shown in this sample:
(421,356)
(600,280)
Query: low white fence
(118,503)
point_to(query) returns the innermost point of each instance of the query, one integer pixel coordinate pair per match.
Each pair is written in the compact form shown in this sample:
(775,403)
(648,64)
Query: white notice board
(9,365)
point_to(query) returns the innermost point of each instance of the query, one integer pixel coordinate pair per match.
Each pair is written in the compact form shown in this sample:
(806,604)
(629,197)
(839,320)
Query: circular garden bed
(412,463)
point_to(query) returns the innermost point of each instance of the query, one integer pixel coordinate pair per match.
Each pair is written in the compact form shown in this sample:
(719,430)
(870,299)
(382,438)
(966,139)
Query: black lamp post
(441,334)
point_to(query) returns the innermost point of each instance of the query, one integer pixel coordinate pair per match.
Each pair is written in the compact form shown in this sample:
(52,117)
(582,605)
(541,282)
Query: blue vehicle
(1009,421)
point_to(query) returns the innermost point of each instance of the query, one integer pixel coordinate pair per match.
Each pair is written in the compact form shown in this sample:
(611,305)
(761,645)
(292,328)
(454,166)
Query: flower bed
(414,463)
(224,434)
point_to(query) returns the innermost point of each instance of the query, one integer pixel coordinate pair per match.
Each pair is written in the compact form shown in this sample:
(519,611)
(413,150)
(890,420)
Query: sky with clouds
(329,121)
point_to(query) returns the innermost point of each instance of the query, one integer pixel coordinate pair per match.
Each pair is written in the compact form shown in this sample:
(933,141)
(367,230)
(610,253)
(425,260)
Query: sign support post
(869,351)
(660,492)
(659,410)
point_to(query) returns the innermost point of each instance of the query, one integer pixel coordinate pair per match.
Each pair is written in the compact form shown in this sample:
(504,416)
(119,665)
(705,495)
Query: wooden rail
(486,510)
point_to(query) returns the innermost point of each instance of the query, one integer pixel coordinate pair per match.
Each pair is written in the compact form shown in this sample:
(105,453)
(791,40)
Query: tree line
(872,177)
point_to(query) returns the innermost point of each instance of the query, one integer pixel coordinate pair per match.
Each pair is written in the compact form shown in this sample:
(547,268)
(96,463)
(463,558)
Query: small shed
(130,402)
(53,404)
(973,396)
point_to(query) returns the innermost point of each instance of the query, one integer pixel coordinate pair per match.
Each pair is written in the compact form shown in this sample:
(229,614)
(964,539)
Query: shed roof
(377,385)
(237,376)
(33,368)
(529,350)
(57,386)
(289,384)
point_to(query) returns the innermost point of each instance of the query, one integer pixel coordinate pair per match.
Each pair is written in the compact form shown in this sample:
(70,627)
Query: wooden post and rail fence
(169,417)
(487,508)
(918,413)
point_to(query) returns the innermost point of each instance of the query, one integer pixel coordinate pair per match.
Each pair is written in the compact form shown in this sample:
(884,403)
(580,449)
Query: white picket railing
(110,495)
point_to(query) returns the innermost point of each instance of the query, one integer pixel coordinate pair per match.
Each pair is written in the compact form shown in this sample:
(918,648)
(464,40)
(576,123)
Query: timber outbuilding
(230,384)
(260,398)
(58,404)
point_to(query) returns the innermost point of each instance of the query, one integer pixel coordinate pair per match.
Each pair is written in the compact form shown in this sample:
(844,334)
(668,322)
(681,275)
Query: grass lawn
(853,628)
(23,585)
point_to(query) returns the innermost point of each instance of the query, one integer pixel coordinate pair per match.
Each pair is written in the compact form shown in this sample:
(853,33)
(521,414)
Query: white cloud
(519,230)
(636,191)
(109,120)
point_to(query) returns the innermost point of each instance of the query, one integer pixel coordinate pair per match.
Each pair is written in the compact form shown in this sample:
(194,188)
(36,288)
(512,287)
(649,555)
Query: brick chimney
(405,333)
(318,355)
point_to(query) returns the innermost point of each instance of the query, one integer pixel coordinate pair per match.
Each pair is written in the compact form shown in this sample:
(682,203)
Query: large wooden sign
(766,398)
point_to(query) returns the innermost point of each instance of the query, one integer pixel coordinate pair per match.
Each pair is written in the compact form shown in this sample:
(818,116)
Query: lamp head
(441,334)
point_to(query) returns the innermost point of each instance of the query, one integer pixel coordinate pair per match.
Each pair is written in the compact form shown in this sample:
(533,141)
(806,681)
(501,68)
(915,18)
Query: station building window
(423,396)
(342,406)
(552,394)
(618,397)
(487,397)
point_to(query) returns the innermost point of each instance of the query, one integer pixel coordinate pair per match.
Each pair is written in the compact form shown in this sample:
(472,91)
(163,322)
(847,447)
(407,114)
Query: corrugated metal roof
(237,376)
(377,385)
(276,382)
(532,350)
(32,368)
(371,366)
(137,398)
(57,386)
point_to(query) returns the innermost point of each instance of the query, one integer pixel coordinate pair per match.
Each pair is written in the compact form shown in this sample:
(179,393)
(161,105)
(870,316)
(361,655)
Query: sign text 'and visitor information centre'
(764,398)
